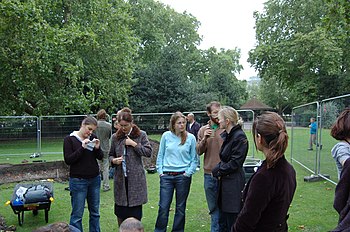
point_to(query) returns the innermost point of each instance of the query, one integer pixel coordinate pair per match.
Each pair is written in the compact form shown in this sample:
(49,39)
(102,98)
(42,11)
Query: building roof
(255,104)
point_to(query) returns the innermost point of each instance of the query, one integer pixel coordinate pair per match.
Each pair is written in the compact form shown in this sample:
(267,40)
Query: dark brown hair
(173,120)
(126,116)
(341,128)
(271,127)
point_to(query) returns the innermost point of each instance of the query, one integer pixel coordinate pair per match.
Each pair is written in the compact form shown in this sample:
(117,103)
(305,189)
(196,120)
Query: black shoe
(67,188)
(309,149)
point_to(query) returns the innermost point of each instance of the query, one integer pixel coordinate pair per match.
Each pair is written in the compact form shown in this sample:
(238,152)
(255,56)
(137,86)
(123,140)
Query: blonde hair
(231,114)
(173,120)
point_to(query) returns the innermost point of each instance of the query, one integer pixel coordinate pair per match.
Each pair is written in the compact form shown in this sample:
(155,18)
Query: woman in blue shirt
(176,162)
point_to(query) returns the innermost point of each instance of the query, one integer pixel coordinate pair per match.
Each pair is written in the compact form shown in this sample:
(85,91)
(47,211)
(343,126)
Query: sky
(224,24)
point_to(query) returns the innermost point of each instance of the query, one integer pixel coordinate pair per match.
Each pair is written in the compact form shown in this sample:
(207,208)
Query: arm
(160,156)
(238,153)
(193,154)
(144,148)
(112,155)
(71,154)
(201,145)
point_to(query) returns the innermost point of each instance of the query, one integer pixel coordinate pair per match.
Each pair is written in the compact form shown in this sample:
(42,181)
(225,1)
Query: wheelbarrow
(32,197)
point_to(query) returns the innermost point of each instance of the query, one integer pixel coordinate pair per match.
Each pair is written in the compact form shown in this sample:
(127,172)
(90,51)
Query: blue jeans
(168,184)
(211,194)
(89,189)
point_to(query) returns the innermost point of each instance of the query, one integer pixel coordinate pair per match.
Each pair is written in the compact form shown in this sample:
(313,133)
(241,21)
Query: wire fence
(25,136)
(319,161)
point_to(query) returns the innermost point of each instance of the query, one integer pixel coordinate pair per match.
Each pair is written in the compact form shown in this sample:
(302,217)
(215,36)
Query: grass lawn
(311,209)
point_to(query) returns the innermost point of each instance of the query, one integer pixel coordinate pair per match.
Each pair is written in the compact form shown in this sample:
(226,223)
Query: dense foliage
(73,57)
(302,50)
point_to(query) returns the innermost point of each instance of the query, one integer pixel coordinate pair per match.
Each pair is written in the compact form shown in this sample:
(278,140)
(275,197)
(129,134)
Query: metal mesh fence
(18,135)
(44,135)
(329,111)
(319,161)
(300,136)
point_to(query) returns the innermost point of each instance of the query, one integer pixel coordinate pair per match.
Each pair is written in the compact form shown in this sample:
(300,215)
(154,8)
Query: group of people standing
(259,205)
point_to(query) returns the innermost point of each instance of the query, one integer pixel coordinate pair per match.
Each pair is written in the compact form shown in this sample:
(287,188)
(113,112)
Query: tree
(294,48)
(64,57)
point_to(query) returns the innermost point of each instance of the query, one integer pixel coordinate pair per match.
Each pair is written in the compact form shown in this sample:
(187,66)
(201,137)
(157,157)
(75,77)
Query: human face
(214,114)
(125,126)
(86,130)
(222,121)
(180,125)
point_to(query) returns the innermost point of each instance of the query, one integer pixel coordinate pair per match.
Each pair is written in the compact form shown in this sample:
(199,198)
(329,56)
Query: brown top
(210,147)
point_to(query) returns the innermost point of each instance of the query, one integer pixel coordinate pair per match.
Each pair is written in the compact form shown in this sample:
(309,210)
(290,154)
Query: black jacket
(82,162)
(230,169)
(267,197)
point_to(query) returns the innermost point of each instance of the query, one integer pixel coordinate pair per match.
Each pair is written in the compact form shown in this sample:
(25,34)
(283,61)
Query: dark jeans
(226,221)
(81,190)
(168,184)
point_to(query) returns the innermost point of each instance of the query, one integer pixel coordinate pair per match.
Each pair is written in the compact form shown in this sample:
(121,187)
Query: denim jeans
(89,189)
(211,194)
(168,184)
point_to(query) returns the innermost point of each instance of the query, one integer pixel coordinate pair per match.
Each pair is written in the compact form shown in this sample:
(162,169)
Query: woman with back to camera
(229,170)
(269,192)
(128,145)
(176,162)
(81,149)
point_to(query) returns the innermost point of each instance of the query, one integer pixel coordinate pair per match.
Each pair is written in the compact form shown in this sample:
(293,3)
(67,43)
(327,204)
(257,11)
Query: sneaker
(309,149)
(106,189)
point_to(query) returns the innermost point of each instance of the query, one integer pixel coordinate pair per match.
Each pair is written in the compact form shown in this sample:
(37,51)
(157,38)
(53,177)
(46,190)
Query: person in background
(209,143)
(176,163)
(103,133)
(131,225)
(229,170)
(128,145)
(81,149)
(313,131)
(269,192)
(192,125)
(341,132)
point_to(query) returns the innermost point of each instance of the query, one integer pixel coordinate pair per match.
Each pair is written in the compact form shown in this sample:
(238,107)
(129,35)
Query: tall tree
(64,57)
(296,49)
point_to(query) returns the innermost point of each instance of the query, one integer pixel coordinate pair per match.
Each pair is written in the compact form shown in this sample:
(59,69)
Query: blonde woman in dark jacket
(229,170)
(128,145)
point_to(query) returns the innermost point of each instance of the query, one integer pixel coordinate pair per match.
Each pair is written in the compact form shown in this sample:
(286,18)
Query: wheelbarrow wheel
(35,212)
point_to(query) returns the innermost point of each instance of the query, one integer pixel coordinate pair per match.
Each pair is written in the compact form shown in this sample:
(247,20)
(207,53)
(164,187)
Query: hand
(118,160)
(84,143)
(97,143)
(208,132)
(130,142)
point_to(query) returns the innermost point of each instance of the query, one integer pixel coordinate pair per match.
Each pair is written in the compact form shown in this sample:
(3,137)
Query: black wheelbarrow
(32,197)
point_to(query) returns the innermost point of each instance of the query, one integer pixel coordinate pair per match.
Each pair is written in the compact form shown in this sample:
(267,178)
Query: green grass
(311,209)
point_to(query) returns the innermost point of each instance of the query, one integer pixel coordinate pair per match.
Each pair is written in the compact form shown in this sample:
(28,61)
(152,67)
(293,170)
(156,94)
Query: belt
(173,173)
